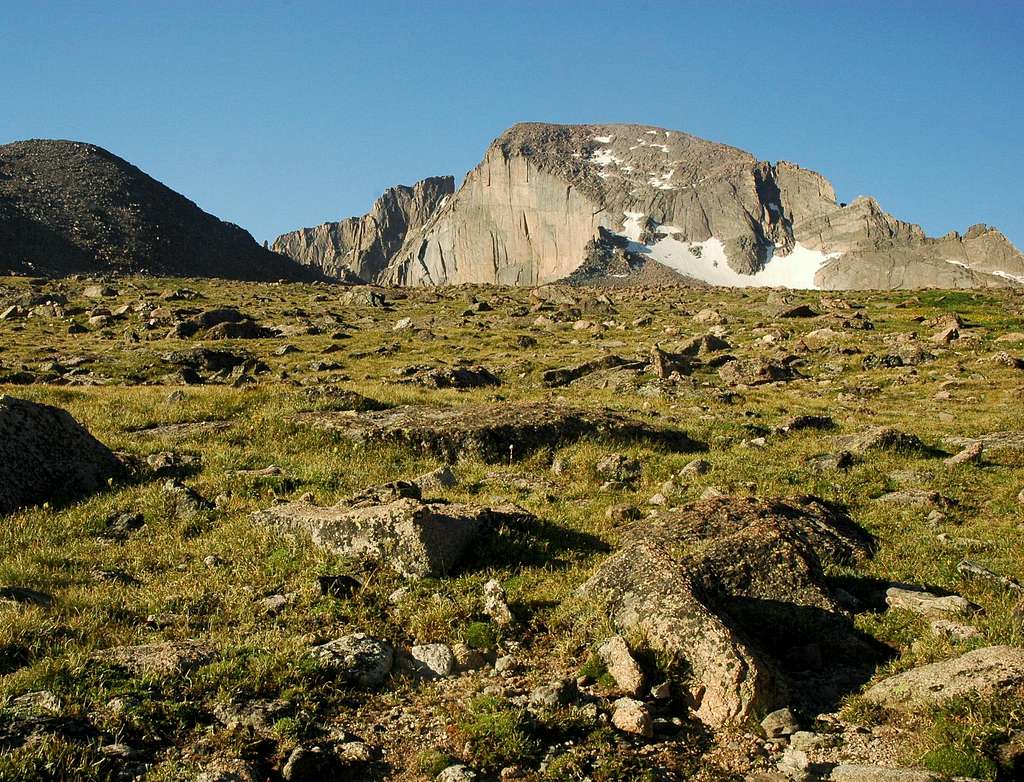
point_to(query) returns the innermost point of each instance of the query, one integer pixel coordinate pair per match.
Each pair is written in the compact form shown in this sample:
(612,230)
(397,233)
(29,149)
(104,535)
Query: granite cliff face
(68,207)
(709,212)
(362,247)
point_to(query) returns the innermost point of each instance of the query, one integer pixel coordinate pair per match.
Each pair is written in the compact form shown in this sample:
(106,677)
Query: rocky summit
(631,204)
(67,207)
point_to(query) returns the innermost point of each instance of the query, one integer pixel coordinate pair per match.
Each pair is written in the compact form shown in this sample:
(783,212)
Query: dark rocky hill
(68,207)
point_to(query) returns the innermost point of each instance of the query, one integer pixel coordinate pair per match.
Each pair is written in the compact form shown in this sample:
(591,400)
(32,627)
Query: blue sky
(276,115)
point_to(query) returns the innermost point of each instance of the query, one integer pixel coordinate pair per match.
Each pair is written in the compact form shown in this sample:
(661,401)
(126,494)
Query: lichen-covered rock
(357,659)
(415,539)
(494,432)
(46,456)
(986,671)
(717,584)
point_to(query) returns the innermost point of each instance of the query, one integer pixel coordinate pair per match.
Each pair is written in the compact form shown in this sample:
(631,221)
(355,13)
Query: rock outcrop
(361,248)
(67,207)
(492,432)
(415,539)
(729,587)
(46,456)
(540,205)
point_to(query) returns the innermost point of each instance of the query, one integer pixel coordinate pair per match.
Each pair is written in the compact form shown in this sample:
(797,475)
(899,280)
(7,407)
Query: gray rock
(357,659)
(862,772)
(415,539)
(927,604)
(362,247)
(671,575)
(433,661)
(456,773)
(496,604)
(47,456)
(779,723)
(986,671)
(492,432)
(554,695)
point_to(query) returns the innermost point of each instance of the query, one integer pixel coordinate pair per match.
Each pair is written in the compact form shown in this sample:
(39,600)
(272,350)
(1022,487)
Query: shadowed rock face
(362,247)
(46,455)
(726,587)
(528,214)
(68,207)
(493,433)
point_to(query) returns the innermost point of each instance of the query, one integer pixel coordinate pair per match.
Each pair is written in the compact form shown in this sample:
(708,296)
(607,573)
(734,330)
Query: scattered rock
(166,660)
(433,661)
(754,372)
(357,659)
(625,670)
(779,723)
(496,604)
(927,604)
(632,716)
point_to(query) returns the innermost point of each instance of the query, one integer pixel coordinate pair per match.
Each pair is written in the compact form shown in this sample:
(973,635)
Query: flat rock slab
(161,659)
(983,671)
(415,539)
(186,429)
(46,455)
(861,772)
(493,432)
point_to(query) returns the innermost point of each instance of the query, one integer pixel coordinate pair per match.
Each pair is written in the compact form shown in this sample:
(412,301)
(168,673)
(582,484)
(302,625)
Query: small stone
(456,773)
(554,695)
(779,723)
(504,664)
(632,716)
(274,604)
(496,604)
(806,741)
(621,665)
(433,661)
(696,467)
(355,752)
(661,692)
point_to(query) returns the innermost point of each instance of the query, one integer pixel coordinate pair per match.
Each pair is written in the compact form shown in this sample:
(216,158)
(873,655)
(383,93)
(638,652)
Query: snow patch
(603,139)
(604,157)
(706,260)
(661,181)
(961,264)
(631,226)
(1010,277)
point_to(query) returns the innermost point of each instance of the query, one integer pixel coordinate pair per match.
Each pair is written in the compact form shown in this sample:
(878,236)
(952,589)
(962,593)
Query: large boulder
(46,455)
(415,539)
(984,671)
(493,432)
(727,587)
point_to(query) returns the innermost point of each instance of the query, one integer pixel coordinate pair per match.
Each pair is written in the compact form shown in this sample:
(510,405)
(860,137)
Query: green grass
(61,549)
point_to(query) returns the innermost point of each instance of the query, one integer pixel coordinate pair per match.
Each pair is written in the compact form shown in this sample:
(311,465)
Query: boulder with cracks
(728,587)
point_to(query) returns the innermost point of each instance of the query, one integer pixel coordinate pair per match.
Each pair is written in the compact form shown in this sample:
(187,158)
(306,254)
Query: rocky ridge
(526,214)
(68,207)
